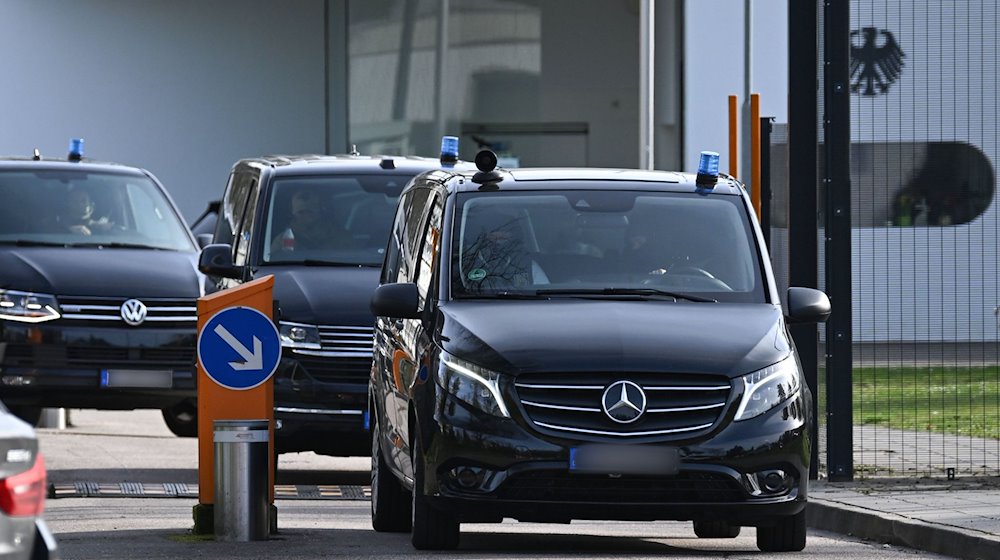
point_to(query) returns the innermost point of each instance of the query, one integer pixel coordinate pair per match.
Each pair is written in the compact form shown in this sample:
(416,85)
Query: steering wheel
(687,276)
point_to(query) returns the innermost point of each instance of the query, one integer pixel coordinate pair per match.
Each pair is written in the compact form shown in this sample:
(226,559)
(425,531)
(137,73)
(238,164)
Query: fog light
(770,482)
(475,479)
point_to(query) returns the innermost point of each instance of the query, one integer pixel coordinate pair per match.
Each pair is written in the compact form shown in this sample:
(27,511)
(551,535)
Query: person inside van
(79,215)
(308,227)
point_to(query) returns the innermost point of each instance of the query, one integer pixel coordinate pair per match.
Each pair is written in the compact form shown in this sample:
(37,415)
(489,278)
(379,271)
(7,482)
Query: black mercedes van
(558,344)
(98,290)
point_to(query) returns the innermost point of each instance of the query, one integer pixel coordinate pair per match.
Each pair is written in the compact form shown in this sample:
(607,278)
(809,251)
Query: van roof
(596,178)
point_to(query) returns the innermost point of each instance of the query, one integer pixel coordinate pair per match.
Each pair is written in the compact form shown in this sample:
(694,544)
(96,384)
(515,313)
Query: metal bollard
(241,480)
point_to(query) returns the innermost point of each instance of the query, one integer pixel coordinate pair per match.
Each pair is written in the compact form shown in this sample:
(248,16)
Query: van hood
(600,335)
(324,295)
(92,271)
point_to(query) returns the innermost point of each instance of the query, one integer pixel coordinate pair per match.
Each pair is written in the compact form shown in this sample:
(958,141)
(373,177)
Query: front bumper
(512,470)
(321,405)
(59,365)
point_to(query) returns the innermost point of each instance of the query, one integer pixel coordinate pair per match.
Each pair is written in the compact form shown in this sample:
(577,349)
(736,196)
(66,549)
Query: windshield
(332,220)
(604,243)
(87,208)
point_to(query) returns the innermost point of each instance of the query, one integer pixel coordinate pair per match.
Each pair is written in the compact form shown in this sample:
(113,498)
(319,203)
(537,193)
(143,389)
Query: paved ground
(959,518)
(902,494)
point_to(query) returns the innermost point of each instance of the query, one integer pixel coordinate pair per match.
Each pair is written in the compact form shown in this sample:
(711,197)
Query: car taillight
(24,493)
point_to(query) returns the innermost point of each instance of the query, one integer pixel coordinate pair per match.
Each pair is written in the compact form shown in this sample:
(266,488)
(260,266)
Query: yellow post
(733,145)
(755,186)
(216,402)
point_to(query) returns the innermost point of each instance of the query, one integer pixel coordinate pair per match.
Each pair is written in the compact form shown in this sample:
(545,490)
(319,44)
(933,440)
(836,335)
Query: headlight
(27,307)
(767,388)
(298,335)
(472,384)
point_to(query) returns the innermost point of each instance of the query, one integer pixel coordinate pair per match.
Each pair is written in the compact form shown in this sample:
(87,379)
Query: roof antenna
(37,156)
(354,150)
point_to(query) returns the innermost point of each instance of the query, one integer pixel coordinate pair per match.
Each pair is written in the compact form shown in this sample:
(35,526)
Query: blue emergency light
(708,169)
(76,149)
(449,149)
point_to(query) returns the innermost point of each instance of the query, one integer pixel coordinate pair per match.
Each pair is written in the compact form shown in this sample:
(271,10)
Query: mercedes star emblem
(624,402)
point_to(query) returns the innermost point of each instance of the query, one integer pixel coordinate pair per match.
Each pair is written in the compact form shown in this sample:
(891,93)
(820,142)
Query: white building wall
(182,88)
(713,69)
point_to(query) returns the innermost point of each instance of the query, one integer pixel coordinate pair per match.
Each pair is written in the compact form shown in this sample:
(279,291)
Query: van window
(77,207)
(597,239)
(337,219)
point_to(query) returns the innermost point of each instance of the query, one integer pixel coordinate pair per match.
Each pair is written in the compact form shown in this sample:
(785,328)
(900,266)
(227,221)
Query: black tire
(30,414)
(432,529)
(390,501)
(786,535)
(716,529)
(182,418)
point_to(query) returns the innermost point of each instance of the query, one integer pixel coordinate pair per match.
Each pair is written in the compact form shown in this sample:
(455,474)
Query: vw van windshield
(331,220)
(87,208)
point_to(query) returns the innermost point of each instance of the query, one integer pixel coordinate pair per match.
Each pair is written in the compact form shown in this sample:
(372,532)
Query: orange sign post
(219,400)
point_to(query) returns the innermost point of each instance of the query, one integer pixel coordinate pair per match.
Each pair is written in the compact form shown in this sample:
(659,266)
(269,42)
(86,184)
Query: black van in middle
(320,225)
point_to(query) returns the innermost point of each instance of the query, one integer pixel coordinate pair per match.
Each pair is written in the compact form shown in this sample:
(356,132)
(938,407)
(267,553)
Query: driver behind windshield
(309,226)
(79,215)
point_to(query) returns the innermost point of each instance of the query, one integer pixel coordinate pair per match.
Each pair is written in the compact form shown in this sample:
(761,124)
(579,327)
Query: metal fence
(924,244)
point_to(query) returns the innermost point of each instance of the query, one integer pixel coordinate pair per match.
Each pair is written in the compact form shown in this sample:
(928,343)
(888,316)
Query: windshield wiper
(118,245)
(31,243)
(318,262)
(643,292)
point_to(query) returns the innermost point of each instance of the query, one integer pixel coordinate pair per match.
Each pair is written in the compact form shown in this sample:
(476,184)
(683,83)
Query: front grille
(345,355)
(559,486)
(336,370)
(346,341)
(98,357)
(677,405)
(106,311)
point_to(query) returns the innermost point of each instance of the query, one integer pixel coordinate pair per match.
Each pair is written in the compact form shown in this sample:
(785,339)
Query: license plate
(137,378)
(624,459)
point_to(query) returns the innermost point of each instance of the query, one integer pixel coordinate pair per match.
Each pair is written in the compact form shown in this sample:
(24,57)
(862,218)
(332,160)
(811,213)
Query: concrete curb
(898,530)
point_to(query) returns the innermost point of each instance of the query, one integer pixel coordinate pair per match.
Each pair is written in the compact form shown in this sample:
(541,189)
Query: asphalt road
(115,447)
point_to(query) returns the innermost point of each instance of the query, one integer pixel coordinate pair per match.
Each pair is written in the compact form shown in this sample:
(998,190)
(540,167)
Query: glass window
(523,242)
(429,250)
(79,207)
(241,253)
(342,219)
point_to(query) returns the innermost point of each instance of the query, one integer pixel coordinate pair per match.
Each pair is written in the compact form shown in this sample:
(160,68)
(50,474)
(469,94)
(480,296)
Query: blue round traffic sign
(239,348)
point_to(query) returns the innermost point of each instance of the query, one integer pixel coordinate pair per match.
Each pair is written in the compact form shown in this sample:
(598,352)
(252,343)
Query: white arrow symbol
(254,360)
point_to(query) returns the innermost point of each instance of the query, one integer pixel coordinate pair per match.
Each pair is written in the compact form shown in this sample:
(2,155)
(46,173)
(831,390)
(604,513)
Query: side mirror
(807,305)
(398,301)
(204,240)
(217,260)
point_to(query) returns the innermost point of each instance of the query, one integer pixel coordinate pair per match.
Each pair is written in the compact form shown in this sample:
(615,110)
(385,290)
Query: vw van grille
(345,355)
(677,405)
(105,311)
(346,342)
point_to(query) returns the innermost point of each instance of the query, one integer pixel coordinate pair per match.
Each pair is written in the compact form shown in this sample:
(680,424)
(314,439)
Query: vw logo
(133,312)
(624,402)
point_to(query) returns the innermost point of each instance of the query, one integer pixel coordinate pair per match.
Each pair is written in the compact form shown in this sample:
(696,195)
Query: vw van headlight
(472,384)
(299,335)
(28,307)
(768,387)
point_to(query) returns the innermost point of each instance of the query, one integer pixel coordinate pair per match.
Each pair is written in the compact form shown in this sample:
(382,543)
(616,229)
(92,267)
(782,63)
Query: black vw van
(319,224)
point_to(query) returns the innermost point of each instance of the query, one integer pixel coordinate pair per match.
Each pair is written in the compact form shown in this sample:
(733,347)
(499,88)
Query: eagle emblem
(874,66)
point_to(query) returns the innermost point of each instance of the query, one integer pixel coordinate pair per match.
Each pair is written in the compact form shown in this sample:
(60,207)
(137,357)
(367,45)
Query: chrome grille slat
(677,404)
(623,434)
(344,341)
(107,309)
